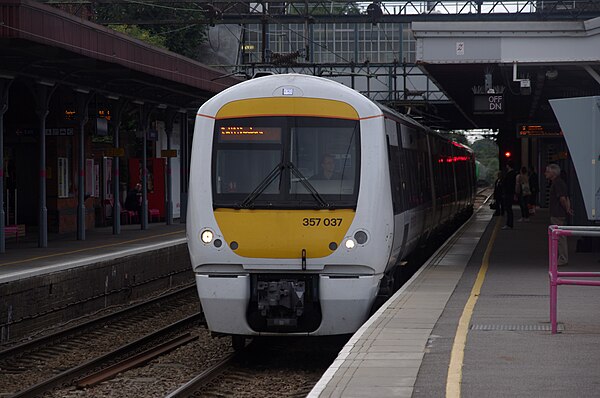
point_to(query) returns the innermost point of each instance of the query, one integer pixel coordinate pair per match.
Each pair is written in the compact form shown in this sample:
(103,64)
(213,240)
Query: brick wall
(35,303)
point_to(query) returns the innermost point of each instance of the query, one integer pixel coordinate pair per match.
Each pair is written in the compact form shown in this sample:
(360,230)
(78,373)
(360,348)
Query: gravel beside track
(162,375)
(276,367)
(29,368)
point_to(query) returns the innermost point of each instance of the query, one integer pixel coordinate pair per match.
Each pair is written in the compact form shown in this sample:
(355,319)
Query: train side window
(394,162)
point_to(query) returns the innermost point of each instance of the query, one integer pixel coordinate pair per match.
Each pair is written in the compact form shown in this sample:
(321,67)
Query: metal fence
(557,277)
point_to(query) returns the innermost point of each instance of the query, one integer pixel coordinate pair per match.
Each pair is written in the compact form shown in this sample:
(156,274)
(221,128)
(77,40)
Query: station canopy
(502,74)
(41,43)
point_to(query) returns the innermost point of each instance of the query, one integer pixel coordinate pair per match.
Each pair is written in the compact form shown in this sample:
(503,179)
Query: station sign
(539,130)
(168,153)
(115,152)
(488,104)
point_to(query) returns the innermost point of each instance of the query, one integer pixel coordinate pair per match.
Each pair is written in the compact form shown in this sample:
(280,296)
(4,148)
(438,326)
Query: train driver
(327,169)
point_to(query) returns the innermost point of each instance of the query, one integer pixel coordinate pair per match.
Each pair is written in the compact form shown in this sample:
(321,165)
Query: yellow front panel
(284,233)
(282,106)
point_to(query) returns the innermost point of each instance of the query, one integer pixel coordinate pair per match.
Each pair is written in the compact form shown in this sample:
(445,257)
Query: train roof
(292,85)
(401,116)
(309,87)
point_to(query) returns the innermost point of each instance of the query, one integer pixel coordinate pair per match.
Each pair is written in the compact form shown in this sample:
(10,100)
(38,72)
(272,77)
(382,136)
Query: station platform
(23,258)
(475,322)
(44,287)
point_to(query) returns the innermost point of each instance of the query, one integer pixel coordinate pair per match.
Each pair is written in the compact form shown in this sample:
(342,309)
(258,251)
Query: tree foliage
(457,137)
(486,151)
(141,34)
(144,23)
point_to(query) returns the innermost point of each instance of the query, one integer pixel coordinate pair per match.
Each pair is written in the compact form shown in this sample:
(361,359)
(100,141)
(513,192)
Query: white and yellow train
(304,198)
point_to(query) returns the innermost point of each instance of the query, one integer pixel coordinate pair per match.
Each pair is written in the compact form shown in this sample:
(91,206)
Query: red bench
(14,231)
(154,213)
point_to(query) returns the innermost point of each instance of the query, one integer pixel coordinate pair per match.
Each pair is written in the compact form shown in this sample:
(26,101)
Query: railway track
(482,197)
(186,364)
(203,379)
(273,367)
(53,359)
(75,374)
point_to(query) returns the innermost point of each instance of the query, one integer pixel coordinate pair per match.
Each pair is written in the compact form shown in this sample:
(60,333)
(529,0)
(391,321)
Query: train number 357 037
(317,221)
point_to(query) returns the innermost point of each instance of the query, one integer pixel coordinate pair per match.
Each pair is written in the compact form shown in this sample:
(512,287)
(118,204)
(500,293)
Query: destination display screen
(538,130)
(250,134)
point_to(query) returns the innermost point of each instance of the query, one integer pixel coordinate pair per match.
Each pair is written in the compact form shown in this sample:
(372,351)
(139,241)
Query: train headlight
(350,243)
(207,236)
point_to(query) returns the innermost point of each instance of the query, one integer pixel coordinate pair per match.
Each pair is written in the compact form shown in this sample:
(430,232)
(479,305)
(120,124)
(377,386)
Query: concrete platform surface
(497,304)
(25,259)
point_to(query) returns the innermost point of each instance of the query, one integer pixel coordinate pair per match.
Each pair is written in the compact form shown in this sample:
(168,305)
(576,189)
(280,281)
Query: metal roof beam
(322,11)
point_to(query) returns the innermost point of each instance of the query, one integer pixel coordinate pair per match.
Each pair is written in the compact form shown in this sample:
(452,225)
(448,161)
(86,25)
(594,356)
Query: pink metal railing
(556,277)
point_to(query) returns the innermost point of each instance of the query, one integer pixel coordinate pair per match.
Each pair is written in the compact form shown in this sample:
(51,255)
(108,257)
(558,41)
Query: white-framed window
(90,178)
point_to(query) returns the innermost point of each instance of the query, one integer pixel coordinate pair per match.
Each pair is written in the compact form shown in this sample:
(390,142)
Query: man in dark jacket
(560,208)
(508,193)
(534,184)
(133,201)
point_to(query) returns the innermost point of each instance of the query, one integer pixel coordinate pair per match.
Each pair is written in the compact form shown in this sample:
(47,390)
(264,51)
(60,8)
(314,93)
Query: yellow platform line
(90,248)
(457,355)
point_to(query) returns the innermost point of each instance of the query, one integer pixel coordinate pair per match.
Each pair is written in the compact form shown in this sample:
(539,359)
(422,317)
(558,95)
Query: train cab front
(293,303)
(284,193)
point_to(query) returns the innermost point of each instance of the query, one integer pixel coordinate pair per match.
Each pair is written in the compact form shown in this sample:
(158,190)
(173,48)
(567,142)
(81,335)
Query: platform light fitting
(551,74)
(45,83)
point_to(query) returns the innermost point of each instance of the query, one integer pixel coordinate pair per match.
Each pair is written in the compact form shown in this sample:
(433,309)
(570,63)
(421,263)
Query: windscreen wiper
(260,188)
(297,173)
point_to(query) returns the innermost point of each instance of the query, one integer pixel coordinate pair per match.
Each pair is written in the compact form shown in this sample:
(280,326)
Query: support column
(145,112)
(43,92)
(5,82)
(169,119)
(116,120)
(184,166)
(83,100)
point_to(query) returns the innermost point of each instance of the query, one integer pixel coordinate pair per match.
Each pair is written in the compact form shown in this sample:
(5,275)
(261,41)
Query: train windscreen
(286,162)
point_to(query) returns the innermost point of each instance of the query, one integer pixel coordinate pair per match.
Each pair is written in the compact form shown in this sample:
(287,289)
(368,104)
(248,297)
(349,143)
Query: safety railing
(558,277)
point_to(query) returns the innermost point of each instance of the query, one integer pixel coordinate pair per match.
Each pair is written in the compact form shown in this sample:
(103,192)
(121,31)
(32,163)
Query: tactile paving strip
(517,328)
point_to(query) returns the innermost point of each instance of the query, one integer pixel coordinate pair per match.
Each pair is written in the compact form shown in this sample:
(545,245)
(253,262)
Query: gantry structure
(368,46)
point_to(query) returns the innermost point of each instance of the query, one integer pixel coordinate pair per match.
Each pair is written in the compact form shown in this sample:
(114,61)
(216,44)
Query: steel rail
(60,335)
(81,370)
(203,378)
(135,361)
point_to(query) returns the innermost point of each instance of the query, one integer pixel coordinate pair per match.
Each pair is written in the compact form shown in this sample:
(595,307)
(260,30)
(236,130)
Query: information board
(488,104)
(538,130)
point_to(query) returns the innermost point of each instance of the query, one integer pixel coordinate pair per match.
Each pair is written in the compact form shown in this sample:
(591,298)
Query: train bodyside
(431,180)
(312,265)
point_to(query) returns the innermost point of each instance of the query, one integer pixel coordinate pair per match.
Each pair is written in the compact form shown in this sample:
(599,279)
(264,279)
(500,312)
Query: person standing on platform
(499,211)
(523,193)
(133,201)
(534,185)
(508,193)
(560,208)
